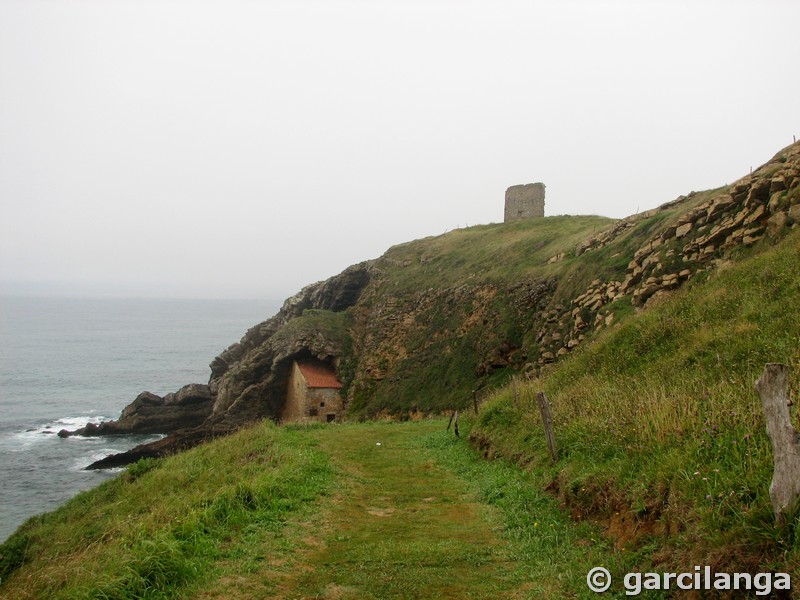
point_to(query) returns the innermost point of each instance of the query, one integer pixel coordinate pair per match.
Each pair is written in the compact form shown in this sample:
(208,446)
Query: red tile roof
(318,374)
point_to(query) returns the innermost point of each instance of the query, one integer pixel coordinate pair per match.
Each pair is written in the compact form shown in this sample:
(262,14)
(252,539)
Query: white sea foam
(96,454)
(51,428)
(85,460)
(75,422)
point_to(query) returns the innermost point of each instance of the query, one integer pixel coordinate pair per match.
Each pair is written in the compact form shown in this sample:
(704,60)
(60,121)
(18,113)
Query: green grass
(333,326)
(417,513)
(551,553)
(400,525)
(497,253)
(659,418)
(164,527)
(376,510)
(424,515)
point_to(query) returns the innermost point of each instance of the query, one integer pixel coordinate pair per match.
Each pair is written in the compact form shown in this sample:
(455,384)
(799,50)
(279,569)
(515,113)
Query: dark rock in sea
(149,413)
(175,442)
(188,407)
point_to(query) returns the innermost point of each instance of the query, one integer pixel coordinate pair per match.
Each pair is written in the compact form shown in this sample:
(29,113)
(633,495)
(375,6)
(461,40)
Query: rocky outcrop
(148,413)
(255,386)
(396,337)
(250,376)
(175,442)
(605,237)
(335,294)
(703,230)
(741,215)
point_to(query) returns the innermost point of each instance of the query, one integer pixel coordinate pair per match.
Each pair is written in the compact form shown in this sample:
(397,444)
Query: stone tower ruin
(524,202)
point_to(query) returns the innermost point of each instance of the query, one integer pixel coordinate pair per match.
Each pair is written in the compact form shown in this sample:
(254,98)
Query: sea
(65,362)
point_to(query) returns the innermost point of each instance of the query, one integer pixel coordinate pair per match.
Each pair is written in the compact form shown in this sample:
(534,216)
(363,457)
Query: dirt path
(398,526)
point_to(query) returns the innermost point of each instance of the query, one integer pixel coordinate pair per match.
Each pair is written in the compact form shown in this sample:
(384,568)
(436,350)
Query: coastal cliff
(434,323)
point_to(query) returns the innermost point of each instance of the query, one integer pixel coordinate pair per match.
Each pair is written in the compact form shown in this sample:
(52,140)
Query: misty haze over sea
(67,361)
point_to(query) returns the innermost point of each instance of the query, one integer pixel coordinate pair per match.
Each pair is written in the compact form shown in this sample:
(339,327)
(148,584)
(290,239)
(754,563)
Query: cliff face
(335,294)
(249,378)
(435,321)
(432,349)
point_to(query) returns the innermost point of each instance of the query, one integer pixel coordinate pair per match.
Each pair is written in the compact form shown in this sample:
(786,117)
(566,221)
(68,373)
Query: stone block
(683,230)
(776,223)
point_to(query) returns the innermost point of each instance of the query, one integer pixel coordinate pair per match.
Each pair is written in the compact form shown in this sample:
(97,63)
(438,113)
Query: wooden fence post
(514,387)
(455,425)
(772,388)
(547,420)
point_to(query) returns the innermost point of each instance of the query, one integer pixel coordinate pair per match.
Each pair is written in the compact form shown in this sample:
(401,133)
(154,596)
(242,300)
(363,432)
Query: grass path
(400,526)
(415,513)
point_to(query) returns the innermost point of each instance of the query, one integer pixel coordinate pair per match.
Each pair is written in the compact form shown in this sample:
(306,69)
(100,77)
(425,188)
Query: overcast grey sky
(231,148)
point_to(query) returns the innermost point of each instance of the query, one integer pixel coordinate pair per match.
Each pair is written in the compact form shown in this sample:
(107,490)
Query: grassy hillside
(163,527)
(360,511)
(661,433)
(497,253)
(389,510)
(460,313)
(504,253)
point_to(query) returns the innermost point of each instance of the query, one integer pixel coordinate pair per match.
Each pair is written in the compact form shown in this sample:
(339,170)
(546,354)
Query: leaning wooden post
(455,425)
(547,420)
(450,422)
(514,387)
(784,491)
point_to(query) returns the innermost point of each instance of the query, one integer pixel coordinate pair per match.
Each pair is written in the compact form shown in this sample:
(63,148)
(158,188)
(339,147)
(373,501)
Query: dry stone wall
(764,203)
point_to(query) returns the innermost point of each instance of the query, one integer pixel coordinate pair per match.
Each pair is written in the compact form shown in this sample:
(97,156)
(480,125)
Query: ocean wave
(80,463)
(112,446)
(74,422)
(50,428)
